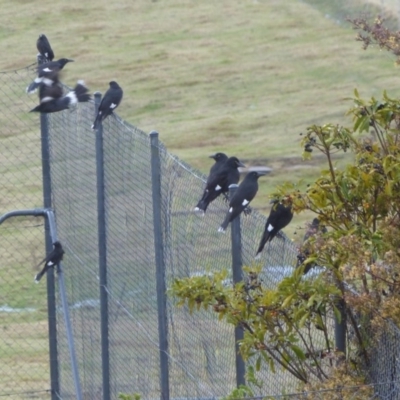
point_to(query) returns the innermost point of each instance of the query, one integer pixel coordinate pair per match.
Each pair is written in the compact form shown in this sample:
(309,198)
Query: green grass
(241,77)
(245,78)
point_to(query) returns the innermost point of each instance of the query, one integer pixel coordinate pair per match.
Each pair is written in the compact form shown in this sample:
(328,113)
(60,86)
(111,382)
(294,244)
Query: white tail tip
(199,211)
(258,256)
(221,229)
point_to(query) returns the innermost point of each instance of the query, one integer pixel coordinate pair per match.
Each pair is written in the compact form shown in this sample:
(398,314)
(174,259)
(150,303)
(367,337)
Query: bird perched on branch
(109,103)
(222,174)
(279,217)
(313,229)
(245,193)
(52,259)
(46,73)
(46,53)
(50,100)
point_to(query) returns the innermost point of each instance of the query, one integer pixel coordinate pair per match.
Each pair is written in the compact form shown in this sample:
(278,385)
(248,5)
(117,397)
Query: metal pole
(102,237)
(340,327)
(64,303)
(237,274)
(34,212)
(49,217)
(51,298)
(160,266)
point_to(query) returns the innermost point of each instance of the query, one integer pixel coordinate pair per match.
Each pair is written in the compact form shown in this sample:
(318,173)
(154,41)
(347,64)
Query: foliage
(134,396)
(278,324)
(242,392)
(359,204)
(377,33)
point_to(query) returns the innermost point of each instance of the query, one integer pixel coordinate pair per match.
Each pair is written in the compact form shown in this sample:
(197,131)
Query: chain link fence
(24,345)
(201,350)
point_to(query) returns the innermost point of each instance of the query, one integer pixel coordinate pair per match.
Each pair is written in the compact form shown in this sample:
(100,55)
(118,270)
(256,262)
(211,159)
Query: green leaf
(287,301)
(303,319)
(299,352)
(258,363)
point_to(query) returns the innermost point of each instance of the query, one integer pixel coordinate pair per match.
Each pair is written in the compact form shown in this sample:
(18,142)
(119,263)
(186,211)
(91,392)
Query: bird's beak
(70,60)
(261,173)
(212,156)
(241,165)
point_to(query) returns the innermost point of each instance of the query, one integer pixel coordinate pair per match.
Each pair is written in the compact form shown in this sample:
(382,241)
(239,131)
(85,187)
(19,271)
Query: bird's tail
(264,240)
(201,206)
(81,92)
(78,95)
(39,276)
(32,87)
(96,121)
(225,224)
(260,248)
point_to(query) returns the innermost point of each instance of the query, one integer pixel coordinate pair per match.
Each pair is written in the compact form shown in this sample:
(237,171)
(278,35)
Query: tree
(358,201)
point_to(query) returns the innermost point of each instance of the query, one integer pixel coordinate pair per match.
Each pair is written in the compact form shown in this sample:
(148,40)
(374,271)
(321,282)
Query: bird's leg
(247,210)
(280,235)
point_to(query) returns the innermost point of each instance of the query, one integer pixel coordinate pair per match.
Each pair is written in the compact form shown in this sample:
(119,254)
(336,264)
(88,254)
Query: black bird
(52,259)
(278,218)
(222,174)
(220,159)
(51,87)
(245,193)
(51,102)
(46,73)
(109,103)
(313,229)
(46,53)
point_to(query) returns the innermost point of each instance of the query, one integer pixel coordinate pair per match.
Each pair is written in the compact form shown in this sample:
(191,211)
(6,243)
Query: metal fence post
(70,338)
(102,238)
(160,266)
(237,274)
(340,327)
(51,298)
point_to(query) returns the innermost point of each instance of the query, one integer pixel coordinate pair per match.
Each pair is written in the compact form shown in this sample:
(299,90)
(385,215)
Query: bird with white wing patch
(245,193)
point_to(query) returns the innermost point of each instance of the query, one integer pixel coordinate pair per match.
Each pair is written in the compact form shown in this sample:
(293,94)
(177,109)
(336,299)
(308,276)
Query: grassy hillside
(241,77)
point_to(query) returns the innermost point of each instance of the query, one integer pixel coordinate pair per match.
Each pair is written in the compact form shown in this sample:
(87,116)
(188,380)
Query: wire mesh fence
(201,350)
(24,348)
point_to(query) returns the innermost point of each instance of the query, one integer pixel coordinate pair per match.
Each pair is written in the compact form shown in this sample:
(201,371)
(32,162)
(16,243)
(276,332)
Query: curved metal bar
(35,212)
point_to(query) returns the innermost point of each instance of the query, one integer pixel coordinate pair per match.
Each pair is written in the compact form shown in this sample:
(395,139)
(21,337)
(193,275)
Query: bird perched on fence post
(46,71)
(219,159)
(46,53)
(222,175)
(51,260)
(50,100)
(109,103)
(245,193)
(279,217)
